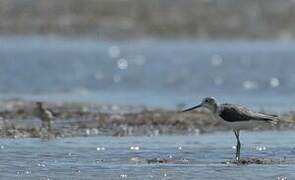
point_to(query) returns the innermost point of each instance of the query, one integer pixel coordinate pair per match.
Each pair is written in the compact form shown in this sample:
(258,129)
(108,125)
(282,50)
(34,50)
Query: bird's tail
(272,119)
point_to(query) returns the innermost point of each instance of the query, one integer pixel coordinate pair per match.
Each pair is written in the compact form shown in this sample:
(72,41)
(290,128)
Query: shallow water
(192,157)
(155,73)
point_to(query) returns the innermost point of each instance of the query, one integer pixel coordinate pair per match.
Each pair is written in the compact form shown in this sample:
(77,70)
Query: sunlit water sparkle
(154,73)
(195,157)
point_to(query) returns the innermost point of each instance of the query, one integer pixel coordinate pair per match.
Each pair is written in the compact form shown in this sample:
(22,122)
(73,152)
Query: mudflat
(18,119)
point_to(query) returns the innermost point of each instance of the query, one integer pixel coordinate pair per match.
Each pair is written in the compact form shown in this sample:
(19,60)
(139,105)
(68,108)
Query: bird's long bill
(192,108)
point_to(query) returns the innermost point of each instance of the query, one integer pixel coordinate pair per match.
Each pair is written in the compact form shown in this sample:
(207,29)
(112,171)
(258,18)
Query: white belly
(244,124)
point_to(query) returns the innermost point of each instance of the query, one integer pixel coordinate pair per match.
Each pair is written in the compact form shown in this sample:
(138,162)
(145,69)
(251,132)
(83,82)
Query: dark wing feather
(232,113)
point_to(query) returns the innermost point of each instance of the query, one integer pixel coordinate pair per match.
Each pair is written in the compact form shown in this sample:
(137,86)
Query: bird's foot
(238,160)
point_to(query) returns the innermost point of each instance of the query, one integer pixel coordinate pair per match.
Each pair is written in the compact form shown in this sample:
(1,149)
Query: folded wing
(234,113)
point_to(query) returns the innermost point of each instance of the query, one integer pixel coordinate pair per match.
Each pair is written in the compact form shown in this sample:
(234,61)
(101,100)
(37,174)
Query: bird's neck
(216,113)
(214,109)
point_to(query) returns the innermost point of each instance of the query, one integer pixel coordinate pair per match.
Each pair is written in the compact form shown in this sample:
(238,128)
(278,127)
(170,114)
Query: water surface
(194,157)
(154,73)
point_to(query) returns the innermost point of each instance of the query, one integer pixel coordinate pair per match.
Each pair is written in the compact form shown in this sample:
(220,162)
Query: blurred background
(156,53)
(108,67)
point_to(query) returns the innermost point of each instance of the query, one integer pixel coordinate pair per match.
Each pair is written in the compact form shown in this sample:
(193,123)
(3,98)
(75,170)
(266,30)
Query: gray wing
(54,114)
(233,113)
(48,114)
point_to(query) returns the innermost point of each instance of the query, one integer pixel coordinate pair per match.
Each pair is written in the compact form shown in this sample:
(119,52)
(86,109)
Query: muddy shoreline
(18,120)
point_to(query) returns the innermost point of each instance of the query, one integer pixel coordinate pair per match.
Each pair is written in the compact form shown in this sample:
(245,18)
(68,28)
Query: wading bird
(235,116)
(45,115)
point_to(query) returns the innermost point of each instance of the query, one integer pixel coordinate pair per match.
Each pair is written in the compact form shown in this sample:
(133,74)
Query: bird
(236,117)
(46,115)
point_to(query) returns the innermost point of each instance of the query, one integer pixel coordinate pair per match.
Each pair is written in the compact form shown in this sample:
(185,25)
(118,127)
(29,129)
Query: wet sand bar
(18,119)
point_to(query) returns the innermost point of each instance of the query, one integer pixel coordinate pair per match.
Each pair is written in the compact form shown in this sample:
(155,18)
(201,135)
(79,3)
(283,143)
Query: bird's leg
(238,147)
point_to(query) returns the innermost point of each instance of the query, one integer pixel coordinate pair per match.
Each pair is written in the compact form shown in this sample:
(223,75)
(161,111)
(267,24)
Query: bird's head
(39,104)
(209,103)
